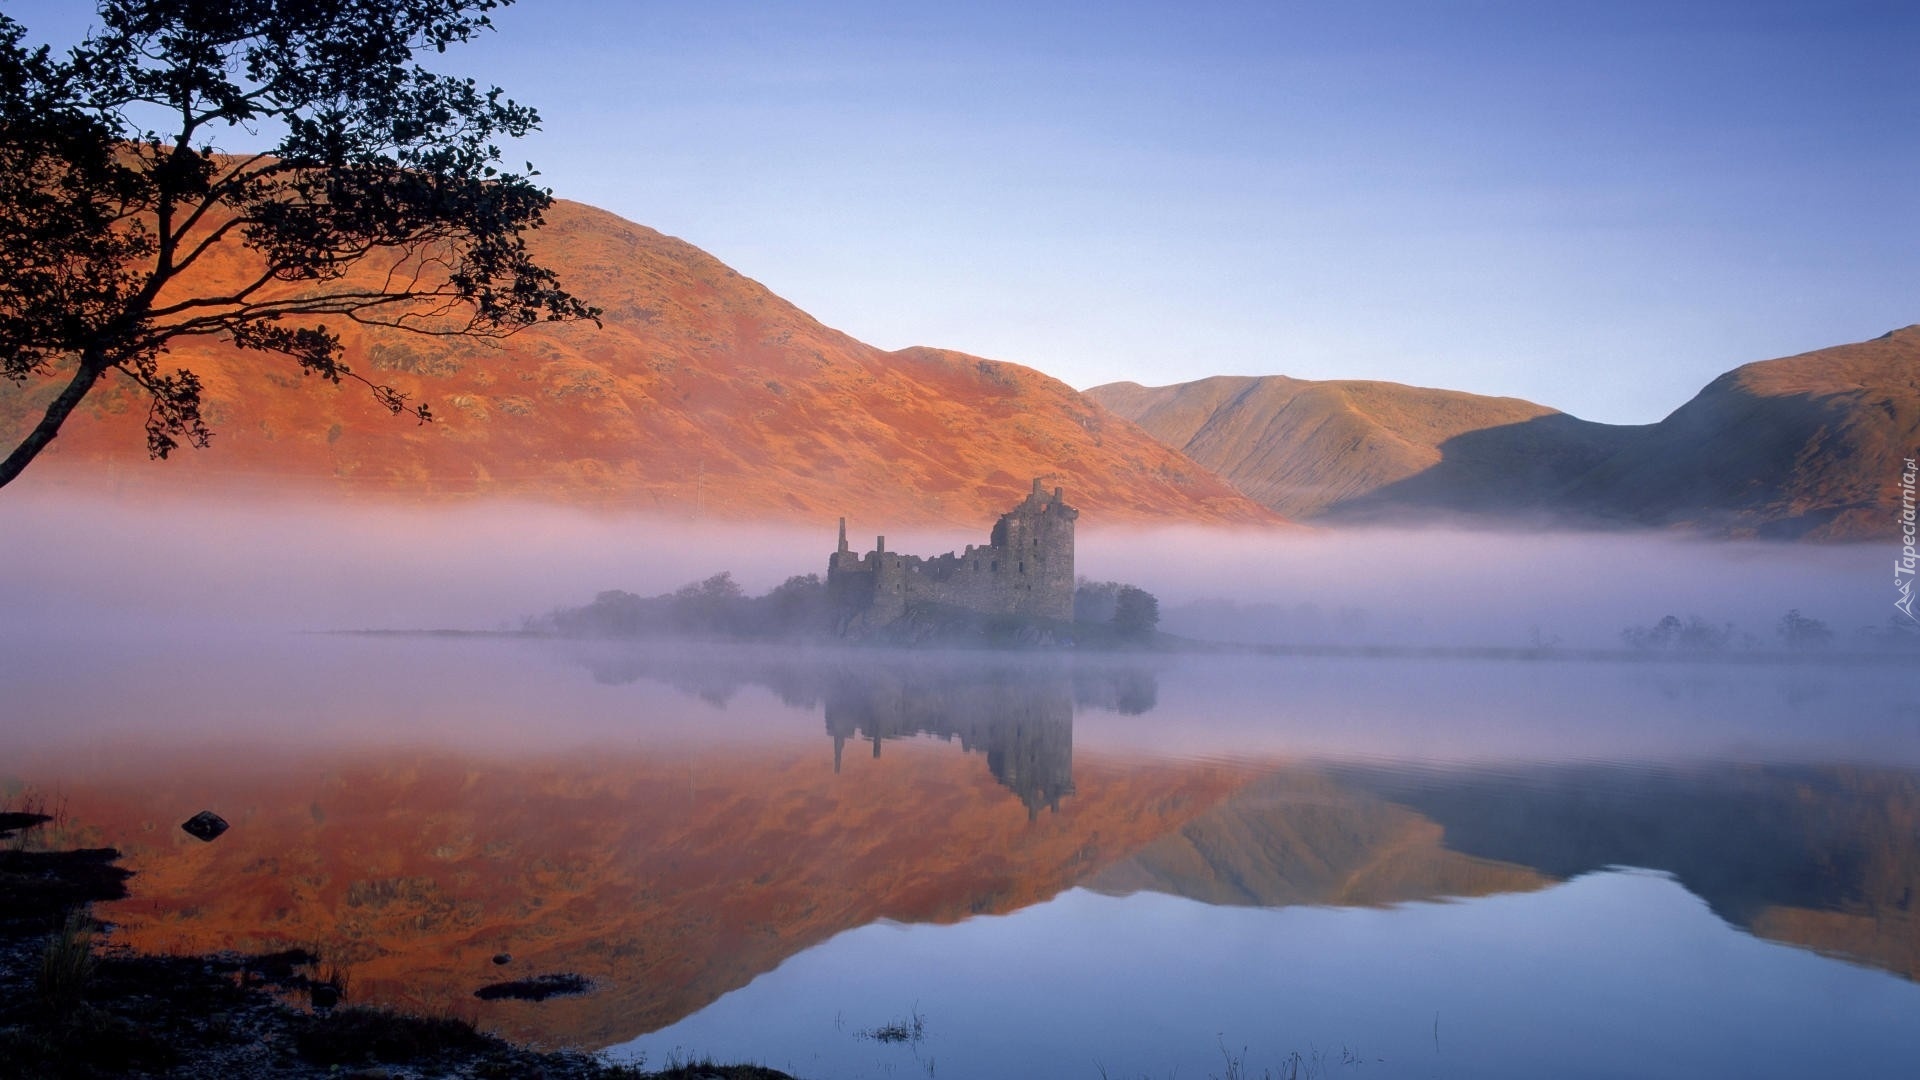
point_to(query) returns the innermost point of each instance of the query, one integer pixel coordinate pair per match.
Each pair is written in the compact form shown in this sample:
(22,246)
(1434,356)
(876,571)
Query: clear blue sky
(1598,206)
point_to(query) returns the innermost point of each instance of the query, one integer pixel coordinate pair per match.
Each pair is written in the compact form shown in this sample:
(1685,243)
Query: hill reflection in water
(676,823)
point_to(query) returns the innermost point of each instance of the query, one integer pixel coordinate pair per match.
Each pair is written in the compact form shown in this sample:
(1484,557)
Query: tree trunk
(90,371)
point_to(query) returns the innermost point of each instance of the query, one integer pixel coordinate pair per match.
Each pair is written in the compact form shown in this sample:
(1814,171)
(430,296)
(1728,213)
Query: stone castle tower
(1025,569)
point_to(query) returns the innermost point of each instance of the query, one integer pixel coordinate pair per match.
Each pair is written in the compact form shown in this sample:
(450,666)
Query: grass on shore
(67,963)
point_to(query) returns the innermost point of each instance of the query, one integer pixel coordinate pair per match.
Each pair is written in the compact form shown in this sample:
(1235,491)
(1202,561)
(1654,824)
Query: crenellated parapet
(1025,569)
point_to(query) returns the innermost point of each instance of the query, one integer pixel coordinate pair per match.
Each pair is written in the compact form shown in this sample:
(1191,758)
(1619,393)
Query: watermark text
(1903,567)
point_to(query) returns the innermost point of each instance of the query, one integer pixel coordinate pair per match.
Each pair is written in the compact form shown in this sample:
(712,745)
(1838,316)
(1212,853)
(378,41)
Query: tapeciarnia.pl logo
(1903,566)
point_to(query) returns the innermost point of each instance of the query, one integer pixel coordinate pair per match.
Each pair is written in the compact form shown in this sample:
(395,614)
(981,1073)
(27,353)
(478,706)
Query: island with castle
(1024,571)
(1018,590)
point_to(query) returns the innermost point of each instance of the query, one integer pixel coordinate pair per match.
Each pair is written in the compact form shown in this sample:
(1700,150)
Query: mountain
(1805,446)
(1311,449)
(1809,445)
(704,394)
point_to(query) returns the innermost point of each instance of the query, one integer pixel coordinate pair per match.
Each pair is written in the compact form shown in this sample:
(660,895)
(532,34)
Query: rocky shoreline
(72,1004)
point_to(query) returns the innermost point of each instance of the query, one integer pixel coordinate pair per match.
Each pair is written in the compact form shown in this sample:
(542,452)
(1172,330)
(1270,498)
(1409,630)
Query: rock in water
(205,825)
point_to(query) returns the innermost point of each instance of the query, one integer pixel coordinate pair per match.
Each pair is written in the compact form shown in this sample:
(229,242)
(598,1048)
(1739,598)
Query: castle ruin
(1024,569)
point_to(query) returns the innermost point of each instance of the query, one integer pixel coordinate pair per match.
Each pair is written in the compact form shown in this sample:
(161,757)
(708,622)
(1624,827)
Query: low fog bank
(81,561)
(247,700)
(86,563)
(1448,712)
(1473,588)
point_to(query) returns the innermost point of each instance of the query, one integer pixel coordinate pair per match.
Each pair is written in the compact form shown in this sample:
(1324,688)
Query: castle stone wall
(1025,568)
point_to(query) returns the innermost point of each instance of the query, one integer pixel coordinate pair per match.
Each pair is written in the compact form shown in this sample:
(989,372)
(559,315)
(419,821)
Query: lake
(850,863)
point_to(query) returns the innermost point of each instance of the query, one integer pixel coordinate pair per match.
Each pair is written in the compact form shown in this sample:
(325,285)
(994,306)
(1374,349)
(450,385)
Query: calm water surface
(1165,867)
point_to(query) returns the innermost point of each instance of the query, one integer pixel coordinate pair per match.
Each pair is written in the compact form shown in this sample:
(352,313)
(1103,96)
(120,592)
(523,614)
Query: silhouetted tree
(1797,631)
(794,608)
(1658,636)
(1670,634)
(116,184)
(1093,600)
(613,613)
(715,605)
(1135,613)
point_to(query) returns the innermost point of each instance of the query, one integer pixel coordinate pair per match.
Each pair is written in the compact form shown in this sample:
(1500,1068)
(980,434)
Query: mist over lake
(294,565)
(1025,863)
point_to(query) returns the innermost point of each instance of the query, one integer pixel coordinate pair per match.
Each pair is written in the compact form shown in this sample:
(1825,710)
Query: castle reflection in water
(1019,715)
(1024,726)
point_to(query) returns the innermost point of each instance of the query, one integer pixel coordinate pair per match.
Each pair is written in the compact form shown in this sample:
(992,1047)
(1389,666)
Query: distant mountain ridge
(704,395)
(1806,446)
(1304,447)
